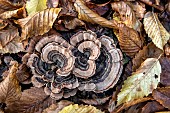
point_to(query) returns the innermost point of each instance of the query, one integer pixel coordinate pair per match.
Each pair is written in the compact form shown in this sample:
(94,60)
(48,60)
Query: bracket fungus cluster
(86,63)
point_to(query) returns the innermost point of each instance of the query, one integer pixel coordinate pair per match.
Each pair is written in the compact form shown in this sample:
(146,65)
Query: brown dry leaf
(155,30)
(23,74)
(18,13)
(152,3)
(139,8)
(5,5)
(167,50)
(9,88)
(129,40)
(3,24)
(163,112)
(32,100)
(162,95)
(84,13)
(165,75)
(152,107)
(131,103)
(73,23)
(39,23)
(149,51)
(55,108)
(127,15)
(10,41)
(52,3)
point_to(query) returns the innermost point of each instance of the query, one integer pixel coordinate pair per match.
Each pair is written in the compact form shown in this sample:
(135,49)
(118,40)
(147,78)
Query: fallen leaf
(127,15)
(73,23)
(142,82)
(149,51)
(84,13)
(75,108)
(162,95)
(9,88)
(23,74)
(39,23)
(152,107)
(165,75)
(55,108)
(32,100)
(135,108)
(34,6)
(52,3)
(167,49)
(129,40)
(10,41)
(138,8)
(12,47)
(5,5)
(131,103)
(3,24)
(155,30)
(18,13)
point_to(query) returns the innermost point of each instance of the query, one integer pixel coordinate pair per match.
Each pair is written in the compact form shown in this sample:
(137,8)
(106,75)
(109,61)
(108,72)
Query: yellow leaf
(39,23)
(9,88)
(84,13)
(155,30)
(142,82)
(80,109)
(34,6)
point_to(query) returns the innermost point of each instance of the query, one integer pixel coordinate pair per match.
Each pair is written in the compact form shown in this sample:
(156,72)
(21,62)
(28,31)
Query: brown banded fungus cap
(51,63)
(98,63)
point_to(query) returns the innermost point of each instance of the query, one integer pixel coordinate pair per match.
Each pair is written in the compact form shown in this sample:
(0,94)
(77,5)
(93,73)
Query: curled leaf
(34,6)
(39,23)
(129,40)
(142,82)
(84,13)
(155,30)
(80,109)
(9,88)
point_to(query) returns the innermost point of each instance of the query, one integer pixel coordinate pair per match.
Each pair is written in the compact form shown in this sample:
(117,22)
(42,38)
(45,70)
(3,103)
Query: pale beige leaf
(55,108)
(84,13)
(155,30)
(142,82)
(34,6)
(39,23)
(32,100)
(9,88)
(75,108)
